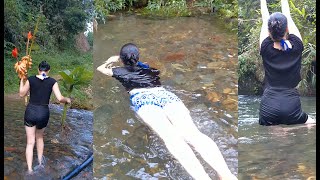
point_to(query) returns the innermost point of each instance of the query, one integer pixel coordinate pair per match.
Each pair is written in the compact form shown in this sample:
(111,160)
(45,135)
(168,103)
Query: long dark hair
(277,25)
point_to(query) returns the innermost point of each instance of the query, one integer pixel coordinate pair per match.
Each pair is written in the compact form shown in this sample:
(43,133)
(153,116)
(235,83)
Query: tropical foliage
(249,25)
(166,8)
(71,80)
(60,20)
(59,23)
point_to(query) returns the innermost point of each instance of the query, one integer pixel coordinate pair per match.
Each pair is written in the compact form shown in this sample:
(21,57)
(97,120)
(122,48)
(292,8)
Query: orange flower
(29,35)
(15,52)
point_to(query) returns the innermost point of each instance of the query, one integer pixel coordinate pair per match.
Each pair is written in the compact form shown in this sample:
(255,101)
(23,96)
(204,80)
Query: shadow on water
(198,60)
(63,152)
(277,152)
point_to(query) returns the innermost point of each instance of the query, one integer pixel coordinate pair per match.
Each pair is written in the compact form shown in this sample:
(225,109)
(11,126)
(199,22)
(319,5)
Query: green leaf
(303,12)
(293,6)
(66,78)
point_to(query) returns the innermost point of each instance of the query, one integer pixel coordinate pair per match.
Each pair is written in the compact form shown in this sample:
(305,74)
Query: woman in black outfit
(281,50)
(166,114)
(37,111)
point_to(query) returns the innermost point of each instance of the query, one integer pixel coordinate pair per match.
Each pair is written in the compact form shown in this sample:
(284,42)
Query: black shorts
(281,106)
(36,115)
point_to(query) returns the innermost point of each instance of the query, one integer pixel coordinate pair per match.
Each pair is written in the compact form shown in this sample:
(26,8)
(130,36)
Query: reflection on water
(278,152)
(63,153)
(198,60)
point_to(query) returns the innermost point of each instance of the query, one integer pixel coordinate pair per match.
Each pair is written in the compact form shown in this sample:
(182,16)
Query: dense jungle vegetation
(250,70)
(60,24)
(169,8)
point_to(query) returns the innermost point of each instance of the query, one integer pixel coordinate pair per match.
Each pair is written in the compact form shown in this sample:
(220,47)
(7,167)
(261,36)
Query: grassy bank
(59,61)
(227,10)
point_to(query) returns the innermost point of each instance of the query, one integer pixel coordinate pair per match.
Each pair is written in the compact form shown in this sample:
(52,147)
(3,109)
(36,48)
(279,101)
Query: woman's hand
(68,100)
(113,59)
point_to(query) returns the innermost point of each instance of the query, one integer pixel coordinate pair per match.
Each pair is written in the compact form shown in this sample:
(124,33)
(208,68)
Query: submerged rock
(179,56)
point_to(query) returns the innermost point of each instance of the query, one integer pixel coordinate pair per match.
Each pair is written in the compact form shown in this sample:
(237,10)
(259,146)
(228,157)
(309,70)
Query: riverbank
(63,151)
(250,85)
(225,10)
(59,61)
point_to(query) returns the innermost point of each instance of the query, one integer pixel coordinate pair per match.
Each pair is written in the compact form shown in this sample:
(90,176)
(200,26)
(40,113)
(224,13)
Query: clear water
(63,151)
(197,58)
(277,152)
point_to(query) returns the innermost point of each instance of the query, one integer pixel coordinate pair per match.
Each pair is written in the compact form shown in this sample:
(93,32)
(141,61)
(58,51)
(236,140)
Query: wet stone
(180,67)
(213,96)
(217,65)
(179,56)
(227,90)
(9,169)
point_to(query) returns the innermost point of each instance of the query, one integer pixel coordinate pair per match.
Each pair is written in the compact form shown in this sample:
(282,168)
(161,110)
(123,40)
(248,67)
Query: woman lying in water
(166,114)
(281,50)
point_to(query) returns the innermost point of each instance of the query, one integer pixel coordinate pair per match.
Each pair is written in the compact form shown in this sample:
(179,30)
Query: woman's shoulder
(266,45)
(296,42)
(31,78)
(52,80)
(129,70)
(116,71)
(294,38)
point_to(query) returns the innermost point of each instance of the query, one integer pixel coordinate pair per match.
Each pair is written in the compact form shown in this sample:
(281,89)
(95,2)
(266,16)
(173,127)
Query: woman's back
(40,90)
(282,68)
(136,77)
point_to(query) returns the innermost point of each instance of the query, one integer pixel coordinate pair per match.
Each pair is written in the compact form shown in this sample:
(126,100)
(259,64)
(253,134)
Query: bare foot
(29,173)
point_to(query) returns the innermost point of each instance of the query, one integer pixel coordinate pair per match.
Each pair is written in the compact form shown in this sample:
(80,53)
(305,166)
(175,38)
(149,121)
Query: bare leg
(31,133)
(40,144)
(156,119)
(180,117)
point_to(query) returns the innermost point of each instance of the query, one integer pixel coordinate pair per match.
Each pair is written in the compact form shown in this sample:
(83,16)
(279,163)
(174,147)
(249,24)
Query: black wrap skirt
(281,106)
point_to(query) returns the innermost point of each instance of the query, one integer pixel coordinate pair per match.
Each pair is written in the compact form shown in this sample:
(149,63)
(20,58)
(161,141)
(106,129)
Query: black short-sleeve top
(282,69)
(40,90)
(135,77)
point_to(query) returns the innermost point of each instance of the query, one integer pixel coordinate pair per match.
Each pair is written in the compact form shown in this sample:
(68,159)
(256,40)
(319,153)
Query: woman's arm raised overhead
(292,28)
(106,68)
(264,33)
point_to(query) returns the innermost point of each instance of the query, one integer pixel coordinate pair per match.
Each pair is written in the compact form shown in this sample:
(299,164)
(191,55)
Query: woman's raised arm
(106,67)
(292,28)
(264,33)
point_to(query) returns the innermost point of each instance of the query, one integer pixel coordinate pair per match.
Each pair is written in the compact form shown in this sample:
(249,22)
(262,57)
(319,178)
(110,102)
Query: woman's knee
(31,141)
(196,137)
(39,134)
